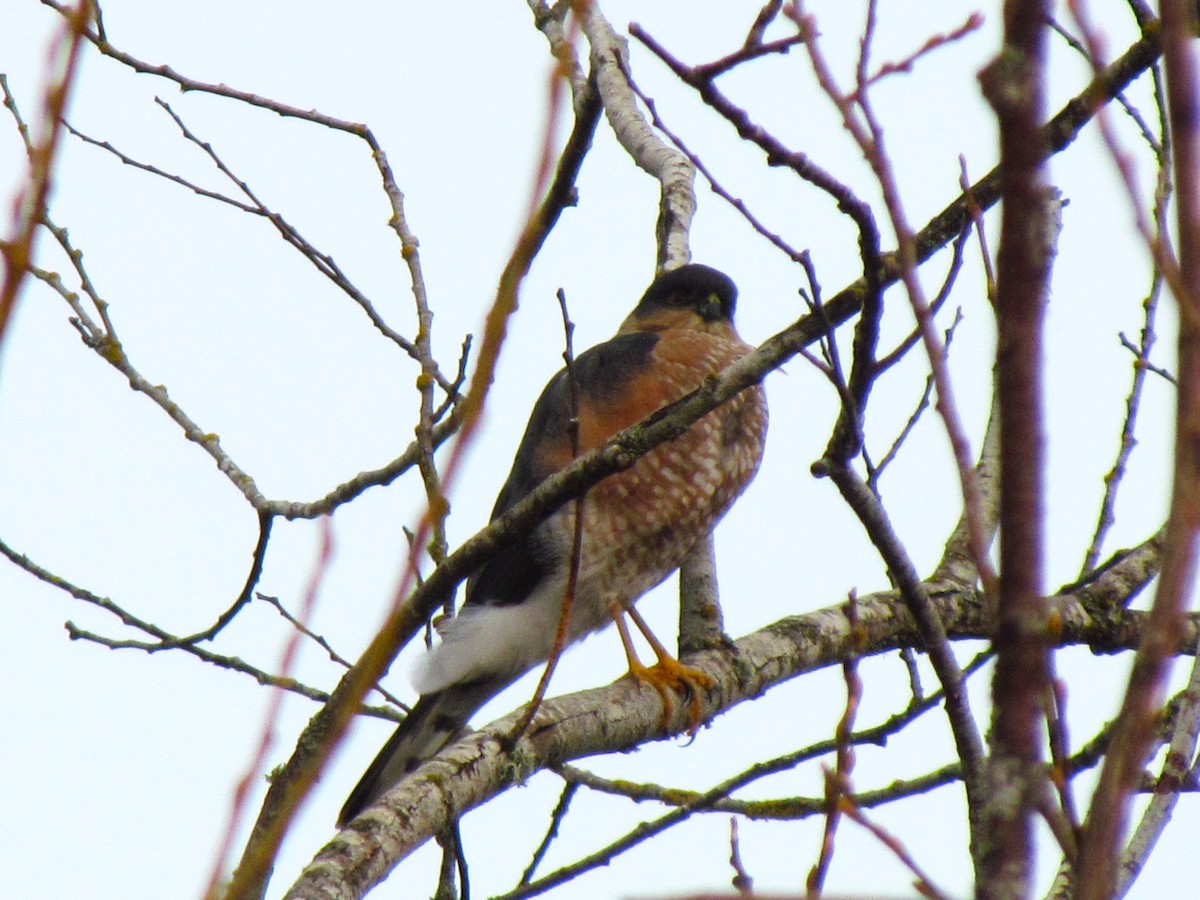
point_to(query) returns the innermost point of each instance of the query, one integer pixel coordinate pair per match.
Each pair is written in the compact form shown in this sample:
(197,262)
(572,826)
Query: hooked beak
(710,308)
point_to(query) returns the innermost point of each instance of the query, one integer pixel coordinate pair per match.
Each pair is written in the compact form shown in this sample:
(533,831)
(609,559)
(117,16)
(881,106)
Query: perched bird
(638,525)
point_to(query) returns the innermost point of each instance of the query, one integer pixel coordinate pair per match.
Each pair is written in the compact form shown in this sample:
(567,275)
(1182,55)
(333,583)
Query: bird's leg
(640,671)
(668,672)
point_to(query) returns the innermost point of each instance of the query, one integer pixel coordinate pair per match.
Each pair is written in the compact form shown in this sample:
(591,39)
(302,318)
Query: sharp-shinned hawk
(638,525)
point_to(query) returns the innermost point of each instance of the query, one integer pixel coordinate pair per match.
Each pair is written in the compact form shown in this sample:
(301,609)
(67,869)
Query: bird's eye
(677,299)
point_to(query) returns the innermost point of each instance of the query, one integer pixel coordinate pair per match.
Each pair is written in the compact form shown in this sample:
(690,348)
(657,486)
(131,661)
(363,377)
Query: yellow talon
(667,676)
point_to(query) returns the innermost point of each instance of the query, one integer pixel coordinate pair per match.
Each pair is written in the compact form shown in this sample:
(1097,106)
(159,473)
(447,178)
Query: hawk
(638,525)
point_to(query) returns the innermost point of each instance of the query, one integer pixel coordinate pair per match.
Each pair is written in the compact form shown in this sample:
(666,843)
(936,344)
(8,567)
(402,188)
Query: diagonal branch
(407,618)
(1106,822)
(621,716)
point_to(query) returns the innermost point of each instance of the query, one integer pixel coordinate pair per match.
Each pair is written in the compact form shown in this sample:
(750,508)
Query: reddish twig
(301,771)
(568,598)
(1142,365)
(1014,84)
(922,884)
(973,23)
(736,202)
(742,882)
(30,204)
(1107,818)
(837,782)
(266,738)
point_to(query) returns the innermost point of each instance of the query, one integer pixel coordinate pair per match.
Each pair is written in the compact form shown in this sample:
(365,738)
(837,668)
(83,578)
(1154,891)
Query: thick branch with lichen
(622,715)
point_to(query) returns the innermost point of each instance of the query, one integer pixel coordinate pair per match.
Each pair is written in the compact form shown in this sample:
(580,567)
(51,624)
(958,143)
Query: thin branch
(30,205)
(556,818)
(742,882)
(409,610)
(736,202)
(837,782)
(323,262)
(161,637)
(777,153)
(876,523)
(1141,365)
(102,338)
(266,738)
(256,567)
(922,404)
(972,23)
(322,642)
(922,883)
(1107,818)
(749,51)
(125,159)
(609,719)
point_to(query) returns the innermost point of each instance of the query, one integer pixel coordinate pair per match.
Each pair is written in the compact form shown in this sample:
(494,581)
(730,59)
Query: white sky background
(118,768)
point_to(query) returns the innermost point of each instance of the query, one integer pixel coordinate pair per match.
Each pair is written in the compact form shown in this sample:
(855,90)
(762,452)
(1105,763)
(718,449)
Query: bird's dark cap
(692,285)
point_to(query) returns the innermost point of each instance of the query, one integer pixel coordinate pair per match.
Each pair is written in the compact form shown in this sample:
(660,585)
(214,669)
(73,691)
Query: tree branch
(622,716)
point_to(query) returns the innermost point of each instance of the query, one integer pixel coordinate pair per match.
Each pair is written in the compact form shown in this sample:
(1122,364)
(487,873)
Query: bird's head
(692,296)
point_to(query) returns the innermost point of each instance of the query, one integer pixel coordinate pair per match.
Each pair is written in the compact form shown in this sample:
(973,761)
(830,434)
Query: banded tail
(437,719)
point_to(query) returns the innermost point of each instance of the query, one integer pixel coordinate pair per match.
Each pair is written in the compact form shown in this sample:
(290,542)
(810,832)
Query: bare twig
(556,818)
(102,338)
(325,263)
(256,566)
(837,781)
(161,636)
(933,632)
(30,205)
(1106,823)
(777,153)
(410,609)
(1141,365)
(736,202)
(922,883)
(478,767)
(270,718)
(742,882)
(877,470)
(324,644)
(972,23)
(568,598)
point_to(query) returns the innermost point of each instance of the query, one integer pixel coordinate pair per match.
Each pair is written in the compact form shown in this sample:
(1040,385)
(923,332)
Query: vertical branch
(860,121)
(266,738)
(659,159)
(1163,191)
(435,498)
(1143,699)
(837,783)
(1014,85)
(700,620)
(568,599)
(326,729)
